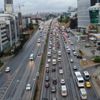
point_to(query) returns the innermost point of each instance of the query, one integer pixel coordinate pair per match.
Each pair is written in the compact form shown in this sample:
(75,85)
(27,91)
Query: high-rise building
(83,13)
(94,1)
(8,6)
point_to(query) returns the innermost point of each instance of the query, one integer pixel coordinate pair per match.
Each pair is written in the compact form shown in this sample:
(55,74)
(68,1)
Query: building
(11,28)
(4,42)
(83,13)
(94,12)
(93,2)
(8,6)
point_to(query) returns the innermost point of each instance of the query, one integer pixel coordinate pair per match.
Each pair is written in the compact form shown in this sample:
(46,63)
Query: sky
(33,6)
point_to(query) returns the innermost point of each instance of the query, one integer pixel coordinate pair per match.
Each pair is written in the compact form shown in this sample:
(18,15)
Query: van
(80,82)
(83,94)
(63,90)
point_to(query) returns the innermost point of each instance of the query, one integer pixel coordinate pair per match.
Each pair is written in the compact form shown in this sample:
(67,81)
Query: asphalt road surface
(23,71)
(68,72)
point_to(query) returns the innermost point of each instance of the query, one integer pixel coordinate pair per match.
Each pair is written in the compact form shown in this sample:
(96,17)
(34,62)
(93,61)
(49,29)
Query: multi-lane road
(73,91)
(23,71)
(58,66)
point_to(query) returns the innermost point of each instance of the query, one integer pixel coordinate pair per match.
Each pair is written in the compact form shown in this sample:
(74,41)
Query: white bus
(31,56)
(83,94)
(63,90)
(80,82)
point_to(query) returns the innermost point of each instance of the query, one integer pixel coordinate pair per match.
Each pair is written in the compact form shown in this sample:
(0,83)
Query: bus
(63,90)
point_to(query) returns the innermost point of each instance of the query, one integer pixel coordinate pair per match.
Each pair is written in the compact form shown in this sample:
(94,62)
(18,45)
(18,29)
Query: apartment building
(83,13)
(4,42)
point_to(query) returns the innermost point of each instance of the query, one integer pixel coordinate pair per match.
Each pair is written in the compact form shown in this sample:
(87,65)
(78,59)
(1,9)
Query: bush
(96,59)
(1,63)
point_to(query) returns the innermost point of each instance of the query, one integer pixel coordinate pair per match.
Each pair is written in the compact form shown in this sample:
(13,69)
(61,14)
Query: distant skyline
(33,6)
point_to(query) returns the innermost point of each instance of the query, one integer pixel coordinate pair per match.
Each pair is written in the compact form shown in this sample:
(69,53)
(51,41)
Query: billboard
(94,16)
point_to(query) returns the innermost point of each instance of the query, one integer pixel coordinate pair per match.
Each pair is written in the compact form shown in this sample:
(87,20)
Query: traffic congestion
(64,79)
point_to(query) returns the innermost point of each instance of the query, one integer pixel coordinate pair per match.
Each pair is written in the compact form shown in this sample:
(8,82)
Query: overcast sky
(31,6)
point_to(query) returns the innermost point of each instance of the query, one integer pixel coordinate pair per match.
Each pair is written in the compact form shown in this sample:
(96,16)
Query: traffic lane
(21,87)
(20,74)
(45,91)
(15,79)
(36,72)
(90,92)
(13,63)
(73,76)
(68,77)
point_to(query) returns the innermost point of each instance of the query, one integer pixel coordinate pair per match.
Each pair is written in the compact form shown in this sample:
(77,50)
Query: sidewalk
(96,81)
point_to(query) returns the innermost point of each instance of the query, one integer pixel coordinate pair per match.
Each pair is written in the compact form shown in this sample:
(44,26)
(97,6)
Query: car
(59,59)
(71,61)
(88,84)
(7,69)
(86,75)
(38,41)
(54,81)
(53,89)
(59,53)
(47,70)
(60,71)
(54,98)
(28,87)
(53,69)
(49,60)
(87,45)
(74,67)
(47,84)
(47,65)
(47,78)
(49,47)
(74,53)
(73,49)
(62,81)
(79,56)
(83,94)
(54,61)
(68,52)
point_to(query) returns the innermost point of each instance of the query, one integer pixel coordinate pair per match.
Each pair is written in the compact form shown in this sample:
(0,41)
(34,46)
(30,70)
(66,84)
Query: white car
(59,59)
(74,53)
(71,61)
(49,60)
(47,65)
(7,69)
(62,81)
(60,71)
(28,87)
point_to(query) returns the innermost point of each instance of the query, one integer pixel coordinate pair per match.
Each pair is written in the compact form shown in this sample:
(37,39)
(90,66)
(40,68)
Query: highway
(68,72)
(23,71)
(46,92)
